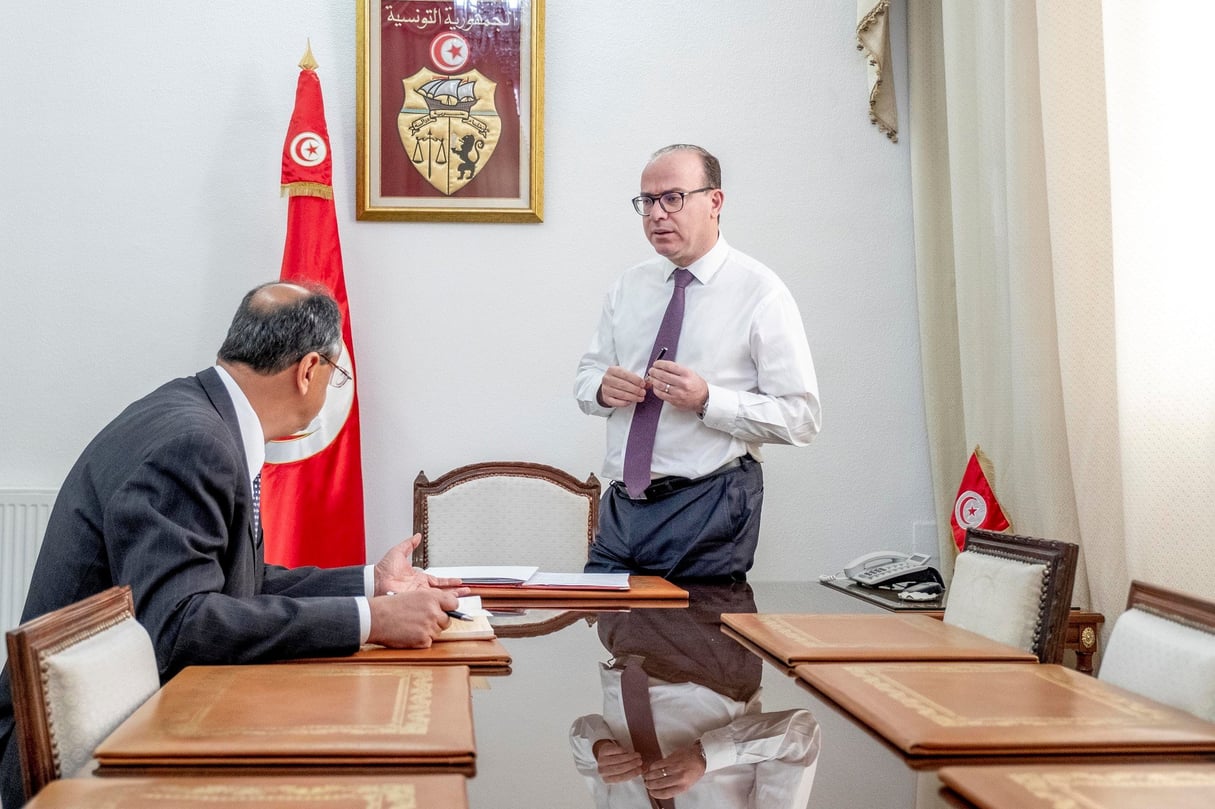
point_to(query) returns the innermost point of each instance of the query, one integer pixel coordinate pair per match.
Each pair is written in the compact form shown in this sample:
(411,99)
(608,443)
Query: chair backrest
(1014,589)
(1163,647)
(505,513)
(77,672)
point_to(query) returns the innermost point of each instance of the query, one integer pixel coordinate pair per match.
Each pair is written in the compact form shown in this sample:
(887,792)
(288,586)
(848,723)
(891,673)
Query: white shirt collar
(250,426)
(704,268)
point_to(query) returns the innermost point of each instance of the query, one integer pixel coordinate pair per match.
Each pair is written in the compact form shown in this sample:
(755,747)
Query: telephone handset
(891,570)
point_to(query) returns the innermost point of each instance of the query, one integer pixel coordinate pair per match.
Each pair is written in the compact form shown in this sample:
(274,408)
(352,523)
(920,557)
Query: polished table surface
(522,720)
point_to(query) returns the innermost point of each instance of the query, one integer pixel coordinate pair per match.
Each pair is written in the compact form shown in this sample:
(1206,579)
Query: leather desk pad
(481,656)
(310,714)
(795,638)
(1094,786)
(328,791)
(935,709)
(644,591)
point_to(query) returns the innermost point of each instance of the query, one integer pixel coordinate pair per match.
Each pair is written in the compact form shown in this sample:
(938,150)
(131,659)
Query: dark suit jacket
(160,500)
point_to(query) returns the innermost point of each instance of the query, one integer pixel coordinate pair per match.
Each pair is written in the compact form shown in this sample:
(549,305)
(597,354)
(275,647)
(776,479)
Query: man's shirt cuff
(364,607)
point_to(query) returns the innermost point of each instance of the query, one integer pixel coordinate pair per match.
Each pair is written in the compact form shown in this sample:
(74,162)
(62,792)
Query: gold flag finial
(308,62)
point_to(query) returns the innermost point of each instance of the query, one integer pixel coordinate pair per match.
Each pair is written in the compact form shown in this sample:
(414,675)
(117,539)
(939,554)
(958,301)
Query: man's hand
(615,763)
(679,386)
(395,573)
(674,774)
(621,388)
(410,620)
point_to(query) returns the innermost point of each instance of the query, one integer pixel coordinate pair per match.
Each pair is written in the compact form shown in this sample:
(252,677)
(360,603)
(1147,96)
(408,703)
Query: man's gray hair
(270,336)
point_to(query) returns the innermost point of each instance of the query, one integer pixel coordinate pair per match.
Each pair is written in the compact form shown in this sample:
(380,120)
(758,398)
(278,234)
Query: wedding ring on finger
(664,769)
(668,390)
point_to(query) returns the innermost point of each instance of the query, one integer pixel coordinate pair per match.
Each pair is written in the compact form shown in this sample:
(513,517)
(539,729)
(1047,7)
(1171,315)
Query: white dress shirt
(742,333)
(254,442)
(752,759)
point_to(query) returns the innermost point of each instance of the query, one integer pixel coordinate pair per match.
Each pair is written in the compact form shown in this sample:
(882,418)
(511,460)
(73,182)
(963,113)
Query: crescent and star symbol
(308,149)
(449,51)
(970,509)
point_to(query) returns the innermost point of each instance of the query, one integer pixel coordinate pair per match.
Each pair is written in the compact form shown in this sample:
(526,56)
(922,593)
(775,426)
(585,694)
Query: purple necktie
(639,716)
(639,451)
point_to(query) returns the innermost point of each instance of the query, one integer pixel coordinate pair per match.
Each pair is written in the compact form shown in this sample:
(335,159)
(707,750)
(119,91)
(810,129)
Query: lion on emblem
(470,146)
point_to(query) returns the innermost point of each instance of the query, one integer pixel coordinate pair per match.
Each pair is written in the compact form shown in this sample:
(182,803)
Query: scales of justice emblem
(450,139)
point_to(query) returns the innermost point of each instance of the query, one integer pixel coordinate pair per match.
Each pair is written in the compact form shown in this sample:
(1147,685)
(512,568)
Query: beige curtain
(1031,320)
(1162,170)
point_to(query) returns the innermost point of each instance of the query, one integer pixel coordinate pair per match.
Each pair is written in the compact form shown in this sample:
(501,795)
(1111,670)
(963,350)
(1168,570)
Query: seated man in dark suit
(163,500)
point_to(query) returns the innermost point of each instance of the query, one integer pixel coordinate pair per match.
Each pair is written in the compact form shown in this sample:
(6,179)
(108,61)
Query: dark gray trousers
(708,530)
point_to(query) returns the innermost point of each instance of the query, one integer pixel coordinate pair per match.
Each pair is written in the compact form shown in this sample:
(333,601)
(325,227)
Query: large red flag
(976,505)
(312,484)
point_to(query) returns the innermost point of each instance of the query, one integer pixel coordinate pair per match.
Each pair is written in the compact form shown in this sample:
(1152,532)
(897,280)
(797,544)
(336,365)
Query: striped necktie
(257,510)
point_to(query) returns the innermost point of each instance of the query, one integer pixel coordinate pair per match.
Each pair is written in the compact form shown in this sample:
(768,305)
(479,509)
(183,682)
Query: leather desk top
(310,714)
(793,638)
(481,656)
(940,709)
(1094,786)
(328,791)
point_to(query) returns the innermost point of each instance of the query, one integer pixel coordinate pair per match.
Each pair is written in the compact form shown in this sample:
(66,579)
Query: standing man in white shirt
(729,370)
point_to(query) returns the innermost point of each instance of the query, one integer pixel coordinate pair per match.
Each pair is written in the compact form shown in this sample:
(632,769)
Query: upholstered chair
(77,673)
(505,513)
(1163,647)
(1014,589)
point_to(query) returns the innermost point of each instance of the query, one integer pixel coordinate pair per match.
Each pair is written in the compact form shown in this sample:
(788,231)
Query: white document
(585,581)
(471,606)
(486,574)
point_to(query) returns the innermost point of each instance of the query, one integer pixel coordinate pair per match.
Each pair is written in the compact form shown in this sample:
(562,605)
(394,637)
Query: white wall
(139,162)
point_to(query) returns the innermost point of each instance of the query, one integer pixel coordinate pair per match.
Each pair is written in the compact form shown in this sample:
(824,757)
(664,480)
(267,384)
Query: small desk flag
(976,505)
(312,484)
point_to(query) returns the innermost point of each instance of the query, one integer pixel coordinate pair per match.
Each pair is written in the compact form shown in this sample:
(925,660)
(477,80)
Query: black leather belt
(661,487)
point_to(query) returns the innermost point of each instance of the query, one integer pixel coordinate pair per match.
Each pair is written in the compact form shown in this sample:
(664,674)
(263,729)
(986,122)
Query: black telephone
(892,570)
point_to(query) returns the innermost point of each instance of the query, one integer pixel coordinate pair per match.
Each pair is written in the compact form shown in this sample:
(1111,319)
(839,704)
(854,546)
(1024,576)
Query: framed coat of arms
(450,110)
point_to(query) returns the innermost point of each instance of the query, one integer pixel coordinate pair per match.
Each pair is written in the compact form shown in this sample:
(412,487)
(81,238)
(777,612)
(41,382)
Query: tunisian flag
(312,483)
(976,505)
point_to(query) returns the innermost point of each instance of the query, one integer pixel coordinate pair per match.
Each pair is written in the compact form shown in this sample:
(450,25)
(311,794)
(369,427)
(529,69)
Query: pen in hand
(662,352)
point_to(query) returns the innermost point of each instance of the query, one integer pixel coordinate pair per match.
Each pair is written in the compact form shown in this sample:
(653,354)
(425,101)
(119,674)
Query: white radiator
(23,515)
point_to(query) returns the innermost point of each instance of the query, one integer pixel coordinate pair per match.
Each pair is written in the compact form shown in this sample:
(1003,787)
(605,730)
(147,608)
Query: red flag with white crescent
(312,484)
(976,505)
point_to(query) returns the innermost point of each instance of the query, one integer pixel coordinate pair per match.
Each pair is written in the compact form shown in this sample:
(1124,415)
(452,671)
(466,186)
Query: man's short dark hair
(270,336)
(711,165)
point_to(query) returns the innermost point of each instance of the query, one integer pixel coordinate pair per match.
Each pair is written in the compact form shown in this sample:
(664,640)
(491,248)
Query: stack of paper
(523,576)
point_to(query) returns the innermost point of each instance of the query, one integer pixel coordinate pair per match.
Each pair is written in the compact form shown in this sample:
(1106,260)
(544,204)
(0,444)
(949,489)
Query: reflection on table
(523,721)
(702,687)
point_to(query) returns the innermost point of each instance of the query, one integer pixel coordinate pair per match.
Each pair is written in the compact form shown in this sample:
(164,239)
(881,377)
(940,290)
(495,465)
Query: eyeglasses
(340,375)
(671,201)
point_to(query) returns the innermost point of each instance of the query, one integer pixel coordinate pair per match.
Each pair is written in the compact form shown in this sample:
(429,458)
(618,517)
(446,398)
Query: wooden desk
(802,638)
(276,719)
(1108,786)
(522,720)
(324,791)
(1083,627)
(989,709)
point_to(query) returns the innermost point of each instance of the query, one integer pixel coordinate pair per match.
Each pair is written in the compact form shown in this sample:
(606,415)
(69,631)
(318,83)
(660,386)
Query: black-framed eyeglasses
(340,375)
(671,201)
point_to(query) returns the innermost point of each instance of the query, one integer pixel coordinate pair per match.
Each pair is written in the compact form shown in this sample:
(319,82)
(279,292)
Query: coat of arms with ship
(452,134)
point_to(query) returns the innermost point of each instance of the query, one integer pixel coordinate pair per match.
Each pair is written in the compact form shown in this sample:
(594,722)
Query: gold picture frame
(450,118)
